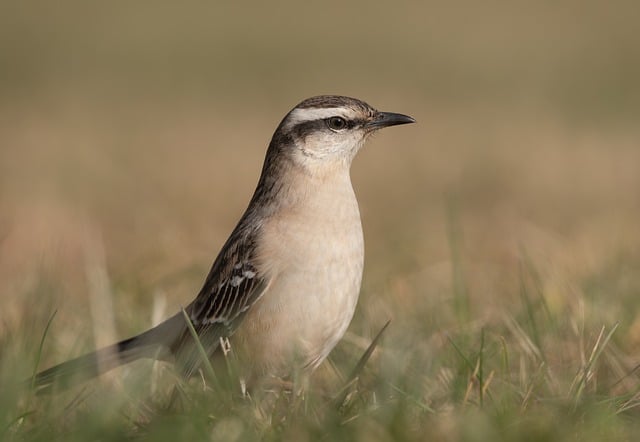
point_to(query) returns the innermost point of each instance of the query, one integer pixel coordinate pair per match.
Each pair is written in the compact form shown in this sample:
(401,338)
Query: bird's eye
(336,123)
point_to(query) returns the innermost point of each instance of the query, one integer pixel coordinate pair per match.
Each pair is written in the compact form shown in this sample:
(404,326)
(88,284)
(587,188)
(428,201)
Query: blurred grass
(502,230)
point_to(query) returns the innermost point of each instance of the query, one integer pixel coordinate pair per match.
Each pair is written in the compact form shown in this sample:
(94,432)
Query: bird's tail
(154,343)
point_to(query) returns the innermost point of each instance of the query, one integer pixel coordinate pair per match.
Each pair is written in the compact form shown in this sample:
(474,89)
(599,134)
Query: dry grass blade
(40,348)
(203,353)
(582,378)
(351,380)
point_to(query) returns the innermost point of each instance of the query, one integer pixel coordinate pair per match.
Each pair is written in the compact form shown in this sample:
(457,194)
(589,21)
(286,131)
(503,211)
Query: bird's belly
(308,305)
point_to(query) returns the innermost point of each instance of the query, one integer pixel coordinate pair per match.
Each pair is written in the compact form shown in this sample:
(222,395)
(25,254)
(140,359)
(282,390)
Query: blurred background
(132,135)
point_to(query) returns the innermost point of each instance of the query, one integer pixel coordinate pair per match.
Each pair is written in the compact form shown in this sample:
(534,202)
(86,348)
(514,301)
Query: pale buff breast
(310,301)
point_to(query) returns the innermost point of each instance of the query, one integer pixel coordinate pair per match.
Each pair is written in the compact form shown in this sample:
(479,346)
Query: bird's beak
(386,119)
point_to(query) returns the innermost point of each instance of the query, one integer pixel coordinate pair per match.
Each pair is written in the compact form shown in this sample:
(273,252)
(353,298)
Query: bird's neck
(317,187)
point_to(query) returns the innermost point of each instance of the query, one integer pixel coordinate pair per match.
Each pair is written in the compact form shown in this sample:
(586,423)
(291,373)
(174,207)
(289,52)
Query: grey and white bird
(285,285)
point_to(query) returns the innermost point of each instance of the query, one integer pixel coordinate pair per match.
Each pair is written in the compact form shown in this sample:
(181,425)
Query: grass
(526,373)
(501,230)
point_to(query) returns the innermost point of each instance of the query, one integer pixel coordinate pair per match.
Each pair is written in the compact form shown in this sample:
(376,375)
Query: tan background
(132,134)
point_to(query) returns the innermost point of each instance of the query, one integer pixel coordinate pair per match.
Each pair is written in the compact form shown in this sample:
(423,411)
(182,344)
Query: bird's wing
(233,285)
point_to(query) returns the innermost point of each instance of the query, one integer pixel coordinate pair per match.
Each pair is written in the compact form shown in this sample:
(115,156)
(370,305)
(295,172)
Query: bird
(284,287)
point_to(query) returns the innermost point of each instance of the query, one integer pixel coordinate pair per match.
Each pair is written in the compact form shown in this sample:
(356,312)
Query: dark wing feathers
(231,296)
(233,285)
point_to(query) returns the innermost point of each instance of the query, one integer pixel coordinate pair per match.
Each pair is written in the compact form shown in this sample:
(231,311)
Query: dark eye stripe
(305,128)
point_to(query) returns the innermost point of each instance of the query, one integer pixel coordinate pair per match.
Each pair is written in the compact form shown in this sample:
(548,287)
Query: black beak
(386,119)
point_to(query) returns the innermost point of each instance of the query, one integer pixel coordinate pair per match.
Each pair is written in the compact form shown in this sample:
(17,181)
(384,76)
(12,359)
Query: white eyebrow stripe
(310,114)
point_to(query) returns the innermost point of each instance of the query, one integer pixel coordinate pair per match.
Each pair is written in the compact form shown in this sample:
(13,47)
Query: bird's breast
(313,255)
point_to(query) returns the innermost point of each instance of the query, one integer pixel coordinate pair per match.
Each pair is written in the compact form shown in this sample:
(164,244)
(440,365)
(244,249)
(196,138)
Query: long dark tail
(155,343)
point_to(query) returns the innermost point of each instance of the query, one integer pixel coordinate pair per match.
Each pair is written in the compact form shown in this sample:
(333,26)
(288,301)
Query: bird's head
(330,129)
